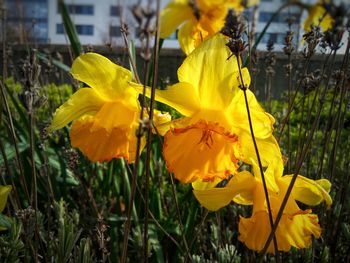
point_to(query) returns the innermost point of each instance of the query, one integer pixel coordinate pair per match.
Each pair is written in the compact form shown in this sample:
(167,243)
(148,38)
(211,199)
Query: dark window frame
(79,9)
(82,30)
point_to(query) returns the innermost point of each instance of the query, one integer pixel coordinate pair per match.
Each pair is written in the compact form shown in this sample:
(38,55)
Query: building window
(59,29)
(87,30)
(267,37)
(115,10)
(32,16)
(265,16)
(79,9)
(279,18)
(114,31)
(84,30)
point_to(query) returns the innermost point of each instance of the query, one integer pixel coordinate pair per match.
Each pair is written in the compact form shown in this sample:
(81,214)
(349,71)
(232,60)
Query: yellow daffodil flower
(201,19)
(318,16)
(296,226)
(4,193)
(207,143)
(106,115)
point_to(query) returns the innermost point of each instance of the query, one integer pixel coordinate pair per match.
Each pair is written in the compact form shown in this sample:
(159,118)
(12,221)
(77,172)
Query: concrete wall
(169,62)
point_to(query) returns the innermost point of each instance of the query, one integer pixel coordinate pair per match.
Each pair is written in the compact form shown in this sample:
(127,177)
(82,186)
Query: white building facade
(98,22)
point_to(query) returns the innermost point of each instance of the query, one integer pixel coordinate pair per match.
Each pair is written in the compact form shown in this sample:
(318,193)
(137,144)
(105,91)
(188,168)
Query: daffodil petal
(295,230)
(215,198)
(242,200)
(106,78)
(100,145)
(4,193)
(200,185)
(200,151)
(191,35)
(84,101)
(262,122)
(245,182)
(250,3)
(318,16)
(211,73)
(162,122)
(181,96)
(269,174)
(173,15)
(269,150)
(116,114)
(310,192)
(210,4)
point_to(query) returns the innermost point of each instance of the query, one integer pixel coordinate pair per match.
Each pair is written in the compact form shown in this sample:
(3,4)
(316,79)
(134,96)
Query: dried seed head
(312,39)
(27,218)
(144,17)
(234,28)
(288,42)
(30,95)
(333,37)
(72,157)
(137,13)
(311,81)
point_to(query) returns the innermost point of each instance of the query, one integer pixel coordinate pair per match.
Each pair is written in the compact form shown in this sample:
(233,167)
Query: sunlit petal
(201,151)
(100,145)
(310,192)
(211,73)
(173,15)
(215,198)
(84,101)
(106,78)
(162,122)
(293,230)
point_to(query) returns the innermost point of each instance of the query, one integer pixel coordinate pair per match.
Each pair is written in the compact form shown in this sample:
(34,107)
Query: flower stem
(299,164)
(244,88)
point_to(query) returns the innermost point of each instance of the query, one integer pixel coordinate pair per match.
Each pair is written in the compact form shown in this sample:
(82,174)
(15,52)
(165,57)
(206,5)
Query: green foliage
(11,245)
(70,29)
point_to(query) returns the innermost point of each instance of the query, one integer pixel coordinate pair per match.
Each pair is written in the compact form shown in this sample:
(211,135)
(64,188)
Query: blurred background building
(98,22)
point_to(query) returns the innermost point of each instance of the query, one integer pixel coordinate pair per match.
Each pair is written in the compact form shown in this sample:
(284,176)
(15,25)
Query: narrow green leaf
(56,62)
(4,221)
(70,29)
